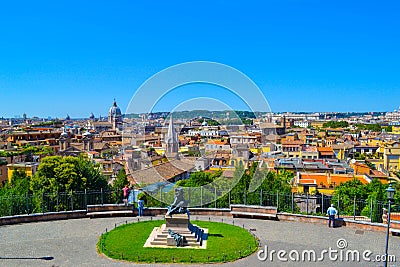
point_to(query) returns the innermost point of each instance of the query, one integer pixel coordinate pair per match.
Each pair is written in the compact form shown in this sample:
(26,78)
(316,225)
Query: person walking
(126,194)
(140,207)
(331,212)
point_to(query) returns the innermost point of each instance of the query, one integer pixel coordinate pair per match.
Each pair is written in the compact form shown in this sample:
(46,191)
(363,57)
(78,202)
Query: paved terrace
(73,242)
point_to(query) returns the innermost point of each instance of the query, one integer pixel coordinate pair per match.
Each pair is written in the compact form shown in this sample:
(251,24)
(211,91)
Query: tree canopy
(335,124)
(388,128)
(121,180)
(374,192)
(199,178)
(18,185)
(371,127)
(58,174)
(355,188)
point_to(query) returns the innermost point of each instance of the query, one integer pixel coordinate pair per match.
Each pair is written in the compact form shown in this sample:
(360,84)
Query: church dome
(115,111)
(91,116)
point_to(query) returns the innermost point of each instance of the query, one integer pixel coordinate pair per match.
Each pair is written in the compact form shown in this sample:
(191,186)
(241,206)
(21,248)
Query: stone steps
(164,237)
(165,232)
(179,224)
(162,243)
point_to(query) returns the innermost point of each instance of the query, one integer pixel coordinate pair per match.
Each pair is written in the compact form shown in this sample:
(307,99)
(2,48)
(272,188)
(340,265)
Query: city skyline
(198,112)
(103,115)
(75,58)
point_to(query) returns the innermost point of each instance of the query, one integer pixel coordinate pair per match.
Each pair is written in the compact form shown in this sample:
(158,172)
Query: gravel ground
(73,243)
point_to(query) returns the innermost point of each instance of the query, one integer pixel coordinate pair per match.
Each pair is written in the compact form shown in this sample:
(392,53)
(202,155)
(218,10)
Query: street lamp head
(390,192)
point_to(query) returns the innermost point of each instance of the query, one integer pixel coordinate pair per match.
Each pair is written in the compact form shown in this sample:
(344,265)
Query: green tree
(372,192)
(270,184)
(29,149)
(369,164)
(201,187)
(18,185)
(20,182)
(376,194)
(212,123)
(120,181)
(346,192)
(247,121)
(388,129)
(204,185)
(359,156)
(13,194)
(396,195)
(46,150)
(57,177)
(59,174)
(197,179)
(371,127)
(336,124)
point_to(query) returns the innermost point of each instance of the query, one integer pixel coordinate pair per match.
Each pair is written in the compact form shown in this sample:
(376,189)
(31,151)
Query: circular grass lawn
(225,243)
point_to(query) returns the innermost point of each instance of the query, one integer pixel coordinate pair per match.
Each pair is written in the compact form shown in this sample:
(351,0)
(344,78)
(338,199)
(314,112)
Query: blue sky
(75,57)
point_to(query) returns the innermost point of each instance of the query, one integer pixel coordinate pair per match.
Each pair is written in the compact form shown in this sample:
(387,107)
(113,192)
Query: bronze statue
(179,206)
(179,239)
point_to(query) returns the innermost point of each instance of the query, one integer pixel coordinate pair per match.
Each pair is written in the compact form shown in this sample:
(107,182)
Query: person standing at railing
(384,216)
(126,194)
(131,197)
(140,207)
(331,212)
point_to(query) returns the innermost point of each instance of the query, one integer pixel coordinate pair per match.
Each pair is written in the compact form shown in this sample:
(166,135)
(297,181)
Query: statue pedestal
(177,221)
(179,224)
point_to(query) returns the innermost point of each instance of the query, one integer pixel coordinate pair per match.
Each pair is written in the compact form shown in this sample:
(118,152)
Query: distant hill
(203,114)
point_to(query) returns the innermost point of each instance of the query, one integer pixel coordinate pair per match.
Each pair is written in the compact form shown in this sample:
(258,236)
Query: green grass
(225,243)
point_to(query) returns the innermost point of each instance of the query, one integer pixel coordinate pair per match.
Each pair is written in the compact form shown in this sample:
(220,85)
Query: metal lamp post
(390,194)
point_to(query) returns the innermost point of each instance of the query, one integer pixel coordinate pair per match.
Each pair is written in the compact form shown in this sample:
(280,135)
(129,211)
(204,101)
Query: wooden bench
(108,207)
(116,213)
(109,210)
(253,211)
(395,231)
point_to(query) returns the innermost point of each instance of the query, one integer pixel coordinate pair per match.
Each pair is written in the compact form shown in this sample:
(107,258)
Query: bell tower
(171,141)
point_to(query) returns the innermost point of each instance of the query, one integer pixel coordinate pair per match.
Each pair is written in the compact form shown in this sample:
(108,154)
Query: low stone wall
(210,212)
(360,225)
(254,209)
(302,218)
(38,217)
(108,209)
(117,210)
(193,211)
